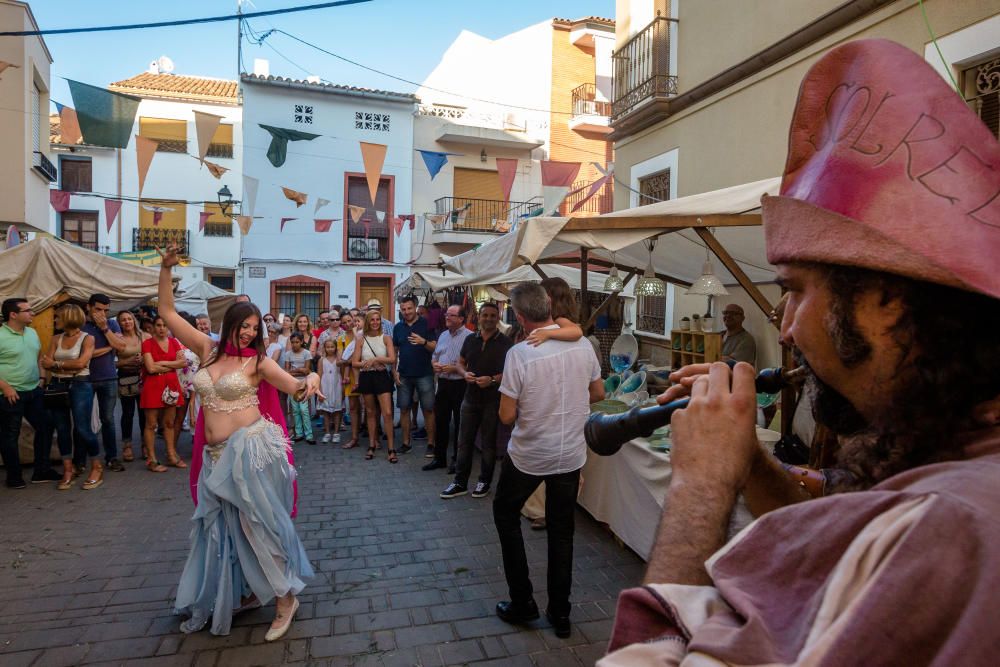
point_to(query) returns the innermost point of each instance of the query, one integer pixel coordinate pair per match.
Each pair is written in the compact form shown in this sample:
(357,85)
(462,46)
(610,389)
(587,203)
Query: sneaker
(327,438)
(16,484)
(113,464)
(49,475)
(454,491)
(420,434)
(482,489)
(433,465)
(336,438)
(310,441)
(429,454)
(406,448)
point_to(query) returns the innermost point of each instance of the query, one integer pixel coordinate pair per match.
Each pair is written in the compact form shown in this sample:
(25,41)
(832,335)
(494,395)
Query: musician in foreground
(244,549)
(886,235)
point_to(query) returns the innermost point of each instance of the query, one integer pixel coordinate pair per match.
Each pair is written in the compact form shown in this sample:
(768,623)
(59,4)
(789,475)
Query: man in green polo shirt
(20,351)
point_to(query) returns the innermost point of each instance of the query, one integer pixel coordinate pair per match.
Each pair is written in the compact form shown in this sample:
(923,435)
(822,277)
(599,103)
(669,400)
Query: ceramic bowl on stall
(634,383)
(624,352)
(611,384)
(608,407)
(658,374)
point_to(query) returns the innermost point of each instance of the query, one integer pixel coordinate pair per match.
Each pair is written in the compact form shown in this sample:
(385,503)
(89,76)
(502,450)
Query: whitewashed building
(297,268)
(176,183)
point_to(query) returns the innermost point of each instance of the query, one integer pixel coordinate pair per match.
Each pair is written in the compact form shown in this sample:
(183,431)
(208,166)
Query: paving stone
(59,657)
(398,618)
(456,653)
(123,649)
(422,635)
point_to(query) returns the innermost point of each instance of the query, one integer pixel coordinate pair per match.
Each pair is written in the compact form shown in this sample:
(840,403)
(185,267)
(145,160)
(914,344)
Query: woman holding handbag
(69,395)
(161,393)
(130,379)
(374,355)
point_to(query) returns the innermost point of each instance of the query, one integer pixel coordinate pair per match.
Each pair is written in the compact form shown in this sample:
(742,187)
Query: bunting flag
(367,222)
(320,203)
(283,221)
(559,174)
(397,225)
(4,65)
(158,211)
(205,125)
(203,217)
(145,149)
(244,221)
(356,212)
(381,216)
(216,170)
(595,187)
(277,151)
(106,118)
(298,197)
(324,224)
(411,218)
(59,200)
(111,209)
(434,160)
(157,216)
(250,185)
(13,237)
(69,125)
(436,219)
(373,155)
(506,170)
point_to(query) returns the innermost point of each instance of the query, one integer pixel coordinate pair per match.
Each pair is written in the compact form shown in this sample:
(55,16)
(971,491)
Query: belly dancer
(244,549)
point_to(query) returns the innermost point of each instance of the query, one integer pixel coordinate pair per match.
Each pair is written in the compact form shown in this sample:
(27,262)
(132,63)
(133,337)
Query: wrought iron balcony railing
(220,150)
(481,215)
(218,229)
(585,102)
(602,202)
(43,166)
(148,238)
(642,68)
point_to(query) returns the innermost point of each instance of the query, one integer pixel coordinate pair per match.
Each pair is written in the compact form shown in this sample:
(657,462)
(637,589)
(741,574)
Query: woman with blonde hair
(302,325)
(68,366)
(130,379)
(374,356)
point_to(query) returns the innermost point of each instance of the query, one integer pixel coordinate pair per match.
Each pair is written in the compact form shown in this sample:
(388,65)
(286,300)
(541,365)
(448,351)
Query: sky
(403,37)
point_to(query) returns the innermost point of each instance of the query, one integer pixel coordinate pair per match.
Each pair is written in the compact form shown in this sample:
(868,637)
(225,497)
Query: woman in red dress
(161,395)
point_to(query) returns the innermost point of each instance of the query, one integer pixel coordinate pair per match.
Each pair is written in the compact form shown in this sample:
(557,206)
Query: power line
(167,24)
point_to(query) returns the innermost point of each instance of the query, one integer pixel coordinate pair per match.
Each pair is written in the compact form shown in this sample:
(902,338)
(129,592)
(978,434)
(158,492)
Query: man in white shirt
(450,387)
(546,393)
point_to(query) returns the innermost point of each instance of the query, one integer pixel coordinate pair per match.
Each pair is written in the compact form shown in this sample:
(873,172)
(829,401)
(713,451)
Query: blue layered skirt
(243,540)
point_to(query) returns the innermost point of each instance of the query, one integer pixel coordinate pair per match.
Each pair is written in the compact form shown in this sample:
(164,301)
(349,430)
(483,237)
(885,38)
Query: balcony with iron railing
(589,113)
(148,238)
(218,229)
(644,77)
(480,216)
(43,166)
(602,202)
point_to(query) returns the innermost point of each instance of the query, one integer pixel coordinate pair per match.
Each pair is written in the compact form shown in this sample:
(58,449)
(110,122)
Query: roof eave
(397,98)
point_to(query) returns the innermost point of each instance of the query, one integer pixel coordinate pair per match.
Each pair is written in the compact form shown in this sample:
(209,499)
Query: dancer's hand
(169,257)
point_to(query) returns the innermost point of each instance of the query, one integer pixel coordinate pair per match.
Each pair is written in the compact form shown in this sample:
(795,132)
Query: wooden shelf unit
(709,343)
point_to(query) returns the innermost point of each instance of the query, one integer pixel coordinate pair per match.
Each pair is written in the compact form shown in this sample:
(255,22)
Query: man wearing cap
(885,234)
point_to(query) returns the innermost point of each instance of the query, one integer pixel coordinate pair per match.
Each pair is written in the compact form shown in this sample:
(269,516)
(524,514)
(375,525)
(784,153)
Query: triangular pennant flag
(506,170)
(59,200)
(4,65)
(434,160)
(277,151)
(216,170)
(106,118)
(381,216)
(552,198)
(367,222)
(283,221)
(412,218)
(594,189)
(298,197)
(323,225)
(397,225)
(203,217)
(244,221)
(205,125)
(145,149)
(157,216)
(436,219)
(69,125)
(373,155)
(320,203)
(560,174)
(250,185)
(356,212)
(111,209)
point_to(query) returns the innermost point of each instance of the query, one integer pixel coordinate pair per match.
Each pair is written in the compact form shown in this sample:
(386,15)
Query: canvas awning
(680,227)
(432,280)
(204,297)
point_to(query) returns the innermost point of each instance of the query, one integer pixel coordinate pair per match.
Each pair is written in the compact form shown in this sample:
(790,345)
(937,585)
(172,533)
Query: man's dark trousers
(447,406)
(28,406)
(513,489)
(482,418)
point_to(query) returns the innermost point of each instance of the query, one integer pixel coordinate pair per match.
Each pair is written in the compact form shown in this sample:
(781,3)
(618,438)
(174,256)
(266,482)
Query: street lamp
(225,200)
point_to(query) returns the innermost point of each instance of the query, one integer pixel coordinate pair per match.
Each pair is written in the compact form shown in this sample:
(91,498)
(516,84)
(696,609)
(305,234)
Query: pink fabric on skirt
(270,408)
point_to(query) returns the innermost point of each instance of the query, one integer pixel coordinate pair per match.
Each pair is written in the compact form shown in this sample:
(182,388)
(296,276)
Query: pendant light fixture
(614,283)
(649,284)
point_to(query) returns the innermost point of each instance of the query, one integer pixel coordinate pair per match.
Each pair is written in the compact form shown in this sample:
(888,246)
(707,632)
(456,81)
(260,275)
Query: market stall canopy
(203,297)
(45,268)
(432,280)
(732,213)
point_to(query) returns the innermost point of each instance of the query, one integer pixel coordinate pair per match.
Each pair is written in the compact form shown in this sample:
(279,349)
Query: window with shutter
(76,174)
(169,134)
(80,228)
(982,92)
(368,239)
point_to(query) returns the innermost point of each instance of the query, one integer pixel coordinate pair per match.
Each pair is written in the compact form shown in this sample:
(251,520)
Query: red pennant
(594,189)
(157,216)
(323,225)
(559,174)
(111,209)
(367,222)
(283,221)
(397,225)
(59,200)
(203,217)
(506,170)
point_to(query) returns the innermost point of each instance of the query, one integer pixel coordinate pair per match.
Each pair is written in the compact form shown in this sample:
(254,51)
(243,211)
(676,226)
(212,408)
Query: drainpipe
(121,218)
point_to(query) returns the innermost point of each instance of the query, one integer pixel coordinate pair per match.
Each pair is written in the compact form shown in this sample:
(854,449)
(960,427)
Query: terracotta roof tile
(173,86)
(586,19)
(329,87)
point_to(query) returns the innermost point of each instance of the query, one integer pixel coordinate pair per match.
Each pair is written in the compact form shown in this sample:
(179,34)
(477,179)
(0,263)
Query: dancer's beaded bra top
(231,393)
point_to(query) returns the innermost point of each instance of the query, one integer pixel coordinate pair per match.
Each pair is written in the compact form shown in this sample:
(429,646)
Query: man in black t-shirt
(482,361)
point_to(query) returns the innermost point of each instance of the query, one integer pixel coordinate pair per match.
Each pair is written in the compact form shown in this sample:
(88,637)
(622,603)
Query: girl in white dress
(331,385)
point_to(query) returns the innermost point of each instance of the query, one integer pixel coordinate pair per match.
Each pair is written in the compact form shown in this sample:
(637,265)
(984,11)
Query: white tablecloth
(626,491)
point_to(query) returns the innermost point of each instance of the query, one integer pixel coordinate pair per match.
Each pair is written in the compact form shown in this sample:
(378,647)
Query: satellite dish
(165,65)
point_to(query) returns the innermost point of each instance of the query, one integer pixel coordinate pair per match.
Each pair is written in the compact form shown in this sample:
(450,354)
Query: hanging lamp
(614,283)
(649,284)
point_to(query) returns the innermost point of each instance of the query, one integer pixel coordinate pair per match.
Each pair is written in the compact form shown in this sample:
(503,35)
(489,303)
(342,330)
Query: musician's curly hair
(956,365)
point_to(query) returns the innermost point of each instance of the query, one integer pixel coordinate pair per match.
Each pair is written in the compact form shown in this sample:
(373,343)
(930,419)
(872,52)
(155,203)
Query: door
(478,192)
(377,288)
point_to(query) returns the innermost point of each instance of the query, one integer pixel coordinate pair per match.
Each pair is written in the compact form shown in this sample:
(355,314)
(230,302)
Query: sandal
(350,445)
(127,455)
(392,456)
(152,465)
(370,454)
(92,483)
(177,463)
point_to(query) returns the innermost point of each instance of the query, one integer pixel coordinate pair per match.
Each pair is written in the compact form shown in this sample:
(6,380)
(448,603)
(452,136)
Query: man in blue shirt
(414,372)
(108,342)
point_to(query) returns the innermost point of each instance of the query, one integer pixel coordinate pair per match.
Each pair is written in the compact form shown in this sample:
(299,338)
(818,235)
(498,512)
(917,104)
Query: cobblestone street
(403,577)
